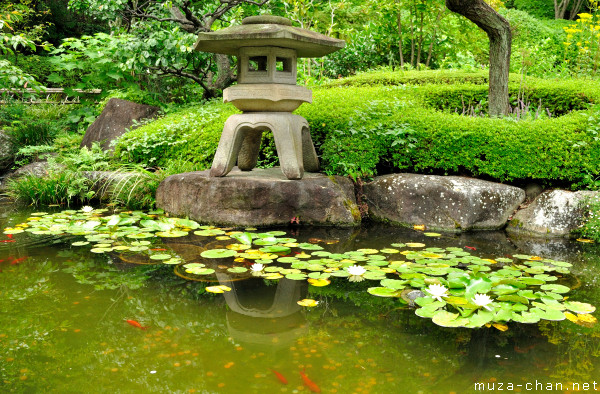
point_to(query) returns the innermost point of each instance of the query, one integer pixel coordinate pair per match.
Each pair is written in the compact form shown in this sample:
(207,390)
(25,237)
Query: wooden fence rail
(48,95)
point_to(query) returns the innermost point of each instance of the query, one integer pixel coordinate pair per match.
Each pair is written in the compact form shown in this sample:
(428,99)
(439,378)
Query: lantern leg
(229,147)
(309,154)
(287,132)
(248,155)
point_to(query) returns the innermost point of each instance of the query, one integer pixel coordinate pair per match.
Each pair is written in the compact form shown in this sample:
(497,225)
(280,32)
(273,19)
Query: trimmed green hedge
(364,131)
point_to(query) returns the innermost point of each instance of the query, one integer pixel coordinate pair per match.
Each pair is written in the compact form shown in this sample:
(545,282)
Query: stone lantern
(267,48)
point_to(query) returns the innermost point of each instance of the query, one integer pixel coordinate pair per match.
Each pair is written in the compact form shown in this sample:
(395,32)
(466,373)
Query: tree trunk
(575,9)
(560,8)
(400,34)
(498,30)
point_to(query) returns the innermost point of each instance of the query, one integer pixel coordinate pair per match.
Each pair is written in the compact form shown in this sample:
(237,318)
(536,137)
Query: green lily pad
(172,234)
(218,253)
(209,232)
(100,250)
(138,248)
(309,246)
(140,235)
(172,261)
(447,319)
(296,276)
(383,292)
(579,307)
(160,256)
(200,271)
(80,243)
(480,318)
(393,283)
(276,249)
(556,288)
(526,317)
(548,314)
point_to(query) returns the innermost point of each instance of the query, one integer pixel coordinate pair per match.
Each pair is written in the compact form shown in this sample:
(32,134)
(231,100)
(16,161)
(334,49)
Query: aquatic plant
(453,287)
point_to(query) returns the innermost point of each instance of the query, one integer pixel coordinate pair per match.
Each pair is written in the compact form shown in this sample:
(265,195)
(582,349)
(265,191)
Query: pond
(77,319)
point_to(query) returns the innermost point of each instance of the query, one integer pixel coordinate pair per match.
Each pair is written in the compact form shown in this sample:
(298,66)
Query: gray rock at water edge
(554,213)
(449,203)
(6,156)
(37,168)
(117,117)
(262,197)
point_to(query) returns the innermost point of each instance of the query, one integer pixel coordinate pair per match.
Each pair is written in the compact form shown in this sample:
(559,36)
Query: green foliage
(191,134)
(538,8)
(591,227)
(27,126)
(364,130)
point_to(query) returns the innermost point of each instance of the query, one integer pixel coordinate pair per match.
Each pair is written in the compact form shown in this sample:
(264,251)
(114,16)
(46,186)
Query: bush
(362,130)
(190,134)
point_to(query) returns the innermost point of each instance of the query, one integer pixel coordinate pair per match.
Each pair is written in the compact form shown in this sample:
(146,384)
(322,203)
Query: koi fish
(17,261)
(295,220)
(471,247)
(10,239)
(309,383)
(281,378)
(158,250)
(136,324)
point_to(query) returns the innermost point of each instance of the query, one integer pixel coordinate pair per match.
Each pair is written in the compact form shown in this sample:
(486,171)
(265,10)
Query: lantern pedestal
(240,142)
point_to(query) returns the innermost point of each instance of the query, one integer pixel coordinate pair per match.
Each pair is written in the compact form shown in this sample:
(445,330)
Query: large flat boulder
(262,197)
(554,213)
(449,203)
(117,117)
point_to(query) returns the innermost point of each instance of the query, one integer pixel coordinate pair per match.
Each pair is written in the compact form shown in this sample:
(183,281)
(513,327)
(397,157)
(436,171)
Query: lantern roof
(265,31)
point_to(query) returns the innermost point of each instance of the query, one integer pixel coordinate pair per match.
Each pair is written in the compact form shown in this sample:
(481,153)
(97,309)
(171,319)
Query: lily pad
(579,307)
(161,256)
(556,288)
(383,292)
(237,270)
(218,253)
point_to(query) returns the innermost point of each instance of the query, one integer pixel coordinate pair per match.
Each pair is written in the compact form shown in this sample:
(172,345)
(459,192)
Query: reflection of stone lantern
(267,48)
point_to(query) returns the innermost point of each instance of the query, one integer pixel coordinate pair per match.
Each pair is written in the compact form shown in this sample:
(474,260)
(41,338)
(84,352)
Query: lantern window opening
(283,64)
(257,63)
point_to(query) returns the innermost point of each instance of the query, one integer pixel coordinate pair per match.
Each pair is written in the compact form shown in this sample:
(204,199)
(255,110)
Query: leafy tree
(498,31)
(16,35)
(161,35)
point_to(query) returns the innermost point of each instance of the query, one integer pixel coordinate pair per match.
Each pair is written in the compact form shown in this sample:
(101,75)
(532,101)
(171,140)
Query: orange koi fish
(136,324)
(309,383)
(471,247)
(281,378)
(17,261)
(158,250)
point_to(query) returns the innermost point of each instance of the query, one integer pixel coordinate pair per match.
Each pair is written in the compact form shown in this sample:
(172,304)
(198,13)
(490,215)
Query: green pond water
(64,312)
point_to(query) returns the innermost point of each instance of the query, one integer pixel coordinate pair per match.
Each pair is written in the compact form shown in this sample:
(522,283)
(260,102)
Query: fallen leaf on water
(218,289)
(501,327)
(319,282)
(308,302)
(419,227)
(585,240)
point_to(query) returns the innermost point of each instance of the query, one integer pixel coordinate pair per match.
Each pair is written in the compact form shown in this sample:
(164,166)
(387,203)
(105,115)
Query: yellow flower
(585,16)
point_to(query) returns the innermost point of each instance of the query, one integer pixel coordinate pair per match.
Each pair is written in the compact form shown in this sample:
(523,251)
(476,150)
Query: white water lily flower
(482,300)
(87,209)
(257,267)
(356,270)
(437,291)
